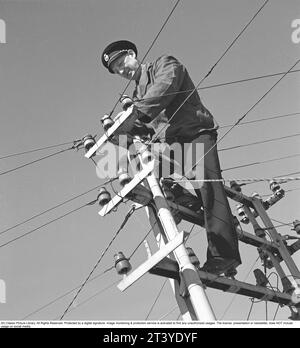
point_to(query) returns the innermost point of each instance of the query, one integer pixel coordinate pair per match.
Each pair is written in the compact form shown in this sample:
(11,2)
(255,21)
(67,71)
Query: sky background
(53,89)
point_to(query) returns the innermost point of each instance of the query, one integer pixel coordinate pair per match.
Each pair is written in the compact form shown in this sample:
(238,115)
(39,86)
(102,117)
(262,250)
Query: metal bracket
(110,132)
(138,178)
(150,263)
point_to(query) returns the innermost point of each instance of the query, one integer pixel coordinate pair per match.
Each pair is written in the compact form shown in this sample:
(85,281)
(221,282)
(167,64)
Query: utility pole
(172,260)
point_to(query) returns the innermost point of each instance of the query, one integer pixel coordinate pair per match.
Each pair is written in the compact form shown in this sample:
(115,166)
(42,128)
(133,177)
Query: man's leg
(219,224)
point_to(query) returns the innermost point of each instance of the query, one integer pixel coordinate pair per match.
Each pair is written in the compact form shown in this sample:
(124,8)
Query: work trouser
(219,223)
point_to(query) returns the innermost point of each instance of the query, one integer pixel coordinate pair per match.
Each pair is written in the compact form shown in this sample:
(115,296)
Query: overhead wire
(260,142)
(149,49)
(100,292)
(44,225)
(218,85)
(235,295)
(156,299)
(212,68)
(127,217)
(35,150)
(36,161)
(90,280)
(65,294)
(261,162)
(47,211)
(244,116)
(262,120)
(53,208)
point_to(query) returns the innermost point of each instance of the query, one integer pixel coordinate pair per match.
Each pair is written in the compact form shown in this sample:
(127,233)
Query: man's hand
(133,126)
(127,126)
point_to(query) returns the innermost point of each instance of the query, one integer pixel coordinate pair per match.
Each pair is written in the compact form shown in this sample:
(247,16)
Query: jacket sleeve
(168,76)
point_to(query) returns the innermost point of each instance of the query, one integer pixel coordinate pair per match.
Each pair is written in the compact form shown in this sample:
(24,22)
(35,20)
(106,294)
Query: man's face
(127,66)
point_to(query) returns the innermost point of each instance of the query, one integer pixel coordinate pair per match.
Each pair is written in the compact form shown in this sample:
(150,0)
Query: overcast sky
(53,89)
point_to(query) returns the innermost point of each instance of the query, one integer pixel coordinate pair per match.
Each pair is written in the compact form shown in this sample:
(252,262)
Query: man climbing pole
(164,87)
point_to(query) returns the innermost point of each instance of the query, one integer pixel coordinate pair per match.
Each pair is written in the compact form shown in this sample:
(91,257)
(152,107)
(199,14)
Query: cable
(219,85)
(156,299)
(248,181)
(39,149)
(234,297)
(48,210)
(262,119)
(171,311)
(72,290)
(129,214)
(152,44)
(46,224)
(35,161)
(275,315)
(283,223)
(147,234)
(65,294)
(53,208)
(260,142)
(91,297)
(251,308)
(261,162)
(256,121)
(213,67)
(245,115)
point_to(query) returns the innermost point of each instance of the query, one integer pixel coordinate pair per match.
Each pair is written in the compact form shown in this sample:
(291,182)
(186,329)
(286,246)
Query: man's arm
(169,75)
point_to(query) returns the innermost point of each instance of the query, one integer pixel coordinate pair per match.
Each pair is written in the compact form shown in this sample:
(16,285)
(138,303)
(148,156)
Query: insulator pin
(276,197)
(274,186)
(88,142)
(122,264)
(126,102)
(107,122)
(124,177)
(242,214)
(296,224)
(104,196)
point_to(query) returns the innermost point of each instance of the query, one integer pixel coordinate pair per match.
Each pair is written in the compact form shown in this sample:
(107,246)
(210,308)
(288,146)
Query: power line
(261,120)
(92,297)
(219,85)
(35,161)
(53,208)
(213,67)
(46,224)
(234,297)
(48,210)
(65,294)
(90,280)
(156,299)
(283,223)
(260,142)
(261,162)
(244,116)
(129,214)
(152,44)
(35,150)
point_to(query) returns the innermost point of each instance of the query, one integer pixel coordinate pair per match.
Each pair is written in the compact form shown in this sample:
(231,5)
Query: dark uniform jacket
(158,81)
